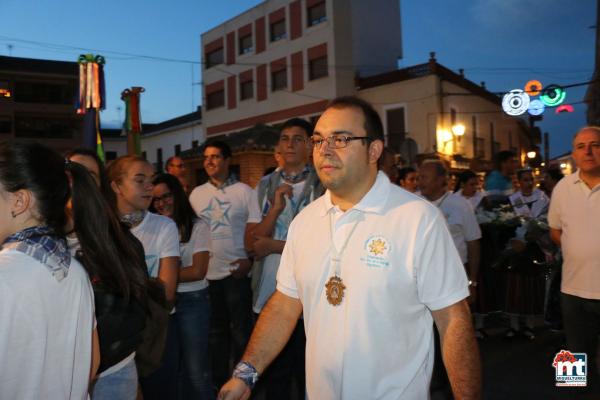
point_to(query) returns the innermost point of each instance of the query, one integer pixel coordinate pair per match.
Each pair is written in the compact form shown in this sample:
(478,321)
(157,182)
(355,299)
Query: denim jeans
(193,321)
(230,324)
(162,383)
(121,384)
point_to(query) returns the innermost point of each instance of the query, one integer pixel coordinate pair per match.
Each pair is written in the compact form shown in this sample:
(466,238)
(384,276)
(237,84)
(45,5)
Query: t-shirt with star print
(227,210)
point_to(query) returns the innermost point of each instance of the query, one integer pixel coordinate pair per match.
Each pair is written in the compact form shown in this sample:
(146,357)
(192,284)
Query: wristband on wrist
(247,373)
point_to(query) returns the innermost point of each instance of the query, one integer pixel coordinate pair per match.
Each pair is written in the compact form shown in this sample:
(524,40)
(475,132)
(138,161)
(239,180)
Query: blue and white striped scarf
(43,244)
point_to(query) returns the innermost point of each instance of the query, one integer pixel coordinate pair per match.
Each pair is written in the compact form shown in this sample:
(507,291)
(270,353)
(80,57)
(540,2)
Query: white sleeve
(286,279)
(200,236)
(168,240)
(194,200)
(441,277)
(254,212)
(554,219)
(472,230)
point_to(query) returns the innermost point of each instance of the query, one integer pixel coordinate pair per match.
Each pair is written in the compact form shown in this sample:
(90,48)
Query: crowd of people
(341,275)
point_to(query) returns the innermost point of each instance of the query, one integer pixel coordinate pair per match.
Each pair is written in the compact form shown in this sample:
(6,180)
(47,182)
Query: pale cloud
(506,13)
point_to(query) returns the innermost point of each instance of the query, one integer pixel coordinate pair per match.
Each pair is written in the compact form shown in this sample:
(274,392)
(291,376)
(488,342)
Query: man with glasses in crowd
(280,196)
(176,167)
(225,203)
(371,266)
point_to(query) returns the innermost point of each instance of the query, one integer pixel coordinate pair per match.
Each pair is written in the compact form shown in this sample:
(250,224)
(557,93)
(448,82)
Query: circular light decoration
(536,107)
(553,95)
(564,108)
(533,87)
(515,102)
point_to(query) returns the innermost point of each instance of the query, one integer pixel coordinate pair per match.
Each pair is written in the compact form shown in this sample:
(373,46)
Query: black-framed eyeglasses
(335,141)
(163,198)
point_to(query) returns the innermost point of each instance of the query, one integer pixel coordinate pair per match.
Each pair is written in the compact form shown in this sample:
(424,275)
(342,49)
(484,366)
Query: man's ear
(375,150)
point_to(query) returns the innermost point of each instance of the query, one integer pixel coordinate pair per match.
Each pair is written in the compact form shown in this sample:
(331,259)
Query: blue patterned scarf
(299,177)
(43,244)
(231,179)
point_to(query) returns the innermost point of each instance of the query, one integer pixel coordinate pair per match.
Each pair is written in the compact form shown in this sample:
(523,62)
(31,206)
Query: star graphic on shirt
(217,212)
(377,247)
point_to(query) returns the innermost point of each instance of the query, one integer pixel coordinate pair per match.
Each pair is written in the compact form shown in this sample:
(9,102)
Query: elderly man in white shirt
(574,225)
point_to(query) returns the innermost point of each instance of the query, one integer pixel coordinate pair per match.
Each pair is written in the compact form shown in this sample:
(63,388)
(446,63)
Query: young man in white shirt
(225,203)
(280,196)
(371,266)
(573,219)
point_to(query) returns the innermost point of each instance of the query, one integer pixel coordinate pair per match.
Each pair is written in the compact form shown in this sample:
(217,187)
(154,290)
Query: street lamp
(458,130)
(531,154)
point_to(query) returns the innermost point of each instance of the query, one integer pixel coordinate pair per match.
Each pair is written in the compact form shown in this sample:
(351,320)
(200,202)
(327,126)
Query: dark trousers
(581,320)
(162,383)
(287,368)
(230,324)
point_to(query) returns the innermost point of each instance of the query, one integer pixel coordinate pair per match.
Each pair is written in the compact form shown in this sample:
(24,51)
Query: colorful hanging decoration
(91,99)
(536,107)
(553,95)
(133,122)
(564,108)
(515,102)
(533,87)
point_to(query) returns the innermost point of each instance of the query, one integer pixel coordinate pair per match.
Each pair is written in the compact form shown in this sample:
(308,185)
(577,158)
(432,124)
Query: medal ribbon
(337,255)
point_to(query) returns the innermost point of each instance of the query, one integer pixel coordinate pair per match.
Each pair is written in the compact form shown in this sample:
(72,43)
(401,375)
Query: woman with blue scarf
(47,332)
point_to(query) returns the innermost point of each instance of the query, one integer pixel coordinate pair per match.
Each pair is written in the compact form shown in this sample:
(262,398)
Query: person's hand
(243,267)
(234,389)
(283,191)
(262,246)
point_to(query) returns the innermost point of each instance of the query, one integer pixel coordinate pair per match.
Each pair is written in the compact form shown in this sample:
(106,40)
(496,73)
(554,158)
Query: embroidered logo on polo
(377,249)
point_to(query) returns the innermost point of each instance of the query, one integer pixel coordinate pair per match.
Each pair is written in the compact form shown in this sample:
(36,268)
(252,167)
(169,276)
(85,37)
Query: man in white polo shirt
(574,220)
(372,266)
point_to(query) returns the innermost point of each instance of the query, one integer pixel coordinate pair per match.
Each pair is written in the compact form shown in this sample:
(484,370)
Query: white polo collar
(372,202)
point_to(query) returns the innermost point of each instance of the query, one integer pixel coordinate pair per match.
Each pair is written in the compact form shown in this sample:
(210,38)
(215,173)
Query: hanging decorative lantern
(533,87)
(553,95)
(515,102)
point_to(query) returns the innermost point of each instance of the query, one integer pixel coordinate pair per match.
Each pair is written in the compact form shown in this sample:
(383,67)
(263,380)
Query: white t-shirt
(473,200)
(267,284)
(199,241)
(227,212)
(158,234)
(575,208)
(399,264)
(461,220)
(537,200)
(45,330)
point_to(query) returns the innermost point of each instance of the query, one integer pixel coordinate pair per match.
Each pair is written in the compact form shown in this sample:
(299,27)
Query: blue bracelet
(247,373)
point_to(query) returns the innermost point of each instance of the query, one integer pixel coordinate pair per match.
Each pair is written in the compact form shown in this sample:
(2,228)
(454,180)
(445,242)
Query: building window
(110,155)
(44,92)
(496,147)
(159,159)
(452,117)
(279,80)
(480,148)
(144,155)
(278,30)
(246,90)
(215,99)
(177,149)
(194,144)
(5,125)
(215,57)
(245,44)
(46,127)
(396,128)
(317,68)
(5,92)
(316,14)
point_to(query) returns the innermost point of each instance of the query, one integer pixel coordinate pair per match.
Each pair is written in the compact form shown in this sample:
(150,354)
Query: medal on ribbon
(334,290)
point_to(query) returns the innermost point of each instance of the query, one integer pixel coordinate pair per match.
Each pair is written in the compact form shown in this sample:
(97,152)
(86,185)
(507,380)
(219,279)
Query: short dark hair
(170,160)
(523,171)
(221,145)
(298,122)
(463,178)
(373,125)
(502,156)
(403,172)
(438,166)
